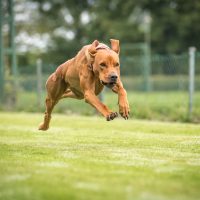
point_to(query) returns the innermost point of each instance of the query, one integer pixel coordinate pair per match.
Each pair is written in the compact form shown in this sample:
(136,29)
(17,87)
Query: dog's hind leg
(50,103)
(55,88)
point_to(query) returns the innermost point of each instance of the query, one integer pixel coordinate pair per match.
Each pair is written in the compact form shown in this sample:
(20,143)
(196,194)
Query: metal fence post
(1,54)
(191,79)
(147,68)
(39,82)
(12,39)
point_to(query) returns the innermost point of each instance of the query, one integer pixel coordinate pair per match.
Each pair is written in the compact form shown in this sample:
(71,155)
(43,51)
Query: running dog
(83,77)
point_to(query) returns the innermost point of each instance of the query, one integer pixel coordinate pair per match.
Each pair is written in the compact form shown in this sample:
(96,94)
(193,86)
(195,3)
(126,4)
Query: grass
(87,158)
(167,106)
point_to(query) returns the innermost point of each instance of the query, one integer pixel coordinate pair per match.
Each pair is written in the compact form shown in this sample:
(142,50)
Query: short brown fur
(84,77)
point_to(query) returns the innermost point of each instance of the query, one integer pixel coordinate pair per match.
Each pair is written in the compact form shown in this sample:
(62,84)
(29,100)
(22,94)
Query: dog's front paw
(111,116)
(124,109)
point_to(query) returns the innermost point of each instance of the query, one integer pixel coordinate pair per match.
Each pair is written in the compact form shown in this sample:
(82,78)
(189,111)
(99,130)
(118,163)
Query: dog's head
(104,62)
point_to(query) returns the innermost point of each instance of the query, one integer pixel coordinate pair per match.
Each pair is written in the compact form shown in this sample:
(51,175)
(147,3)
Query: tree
(74,23)
(175,24)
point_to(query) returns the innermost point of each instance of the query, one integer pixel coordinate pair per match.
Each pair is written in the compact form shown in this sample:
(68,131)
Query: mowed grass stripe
(89,158)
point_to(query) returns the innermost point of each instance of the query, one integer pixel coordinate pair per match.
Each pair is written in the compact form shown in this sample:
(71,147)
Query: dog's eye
(117,64)
(103,64)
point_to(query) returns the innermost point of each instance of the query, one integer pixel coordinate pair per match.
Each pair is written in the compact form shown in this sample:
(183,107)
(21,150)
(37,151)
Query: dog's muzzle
(112,80)
(109,84)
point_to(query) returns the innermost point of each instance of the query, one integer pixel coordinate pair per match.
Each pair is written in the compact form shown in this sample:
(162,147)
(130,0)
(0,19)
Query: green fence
(168,73)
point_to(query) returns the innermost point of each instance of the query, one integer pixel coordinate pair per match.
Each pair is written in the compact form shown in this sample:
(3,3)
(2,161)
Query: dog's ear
(90,53)
(115,45)
(92,50)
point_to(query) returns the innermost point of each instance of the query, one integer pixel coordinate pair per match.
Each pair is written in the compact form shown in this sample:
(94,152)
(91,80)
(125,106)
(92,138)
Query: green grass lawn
(164,106)
(88,158)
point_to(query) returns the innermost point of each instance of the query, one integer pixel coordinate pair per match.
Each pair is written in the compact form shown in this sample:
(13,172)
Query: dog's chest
(98,87)
(77,92)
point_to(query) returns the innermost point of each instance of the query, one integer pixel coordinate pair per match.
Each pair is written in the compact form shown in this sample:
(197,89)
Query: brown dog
(84,76)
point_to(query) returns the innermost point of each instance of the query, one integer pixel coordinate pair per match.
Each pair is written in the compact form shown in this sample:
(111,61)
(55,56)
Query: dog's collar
(90,67)
(102,46)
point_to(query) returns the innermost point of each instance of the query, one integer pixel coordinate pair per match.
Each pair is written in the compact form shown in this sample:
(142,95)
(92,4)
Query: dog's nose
(113,77)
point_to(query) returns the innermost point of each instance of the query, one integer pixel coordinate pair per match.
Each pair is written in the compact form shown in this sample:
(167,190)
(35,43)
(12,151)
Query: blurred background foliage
(66,25)
(154,36)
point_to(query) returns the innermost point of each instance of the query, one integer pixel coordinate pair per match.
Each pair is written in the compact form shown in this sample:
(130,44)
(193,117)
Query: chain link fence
(166,72)
(167,75)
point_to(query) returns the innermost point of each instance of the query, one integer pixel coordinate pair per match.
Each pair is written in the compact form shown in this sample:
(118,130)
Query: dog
(83,77)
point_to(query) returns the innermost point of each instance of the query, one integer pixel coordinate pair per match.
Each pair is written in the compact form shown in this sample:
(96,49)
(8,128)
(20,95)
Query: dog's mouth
(109,84)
